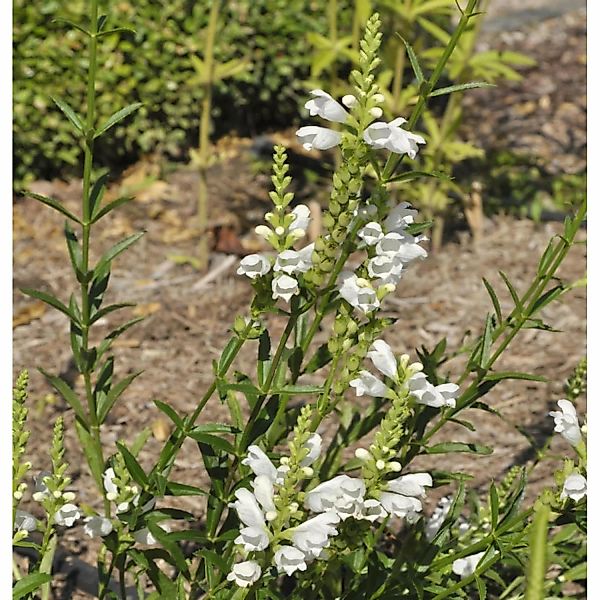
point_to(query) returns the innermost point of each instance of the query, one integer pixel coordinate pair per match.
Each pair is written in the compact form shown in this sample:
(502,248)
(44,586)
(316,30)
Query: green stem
(468,13)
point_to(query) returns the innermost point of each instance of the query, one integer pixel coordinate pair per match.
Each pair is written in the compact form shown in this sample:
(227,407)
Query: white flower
(371,510)
(575,487)
(435,522)
(426,393)
(400,497)
(253,266)
(383,358)
(97,526)
(392,137)
(284,287)
(144,536)
(402,246)
(371,233)
(289,560)
(67,515)
(464,567)
(109,484)
(264,492)
(245,573)
(326,107)
(313,535)
(387,268)
(255,535)
(342,494)
(357,292)
(301,217)
(566,423)
(260,463)
(366,383)
(400,217)
(25,521)
(41,489)
(319,138)
(290,262)
(349,101)
(314,449)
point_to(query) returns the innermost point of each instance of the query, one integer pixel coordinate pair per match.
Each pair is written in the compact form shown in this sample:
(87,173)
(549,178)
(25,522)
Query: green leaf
(173,488)
(110,207)
(547,297)
(500,375)
(411,175)
(52,203)
(94,461)
(133,466)
(486,342)
(70,114)
(216,428)
(446,447)
(264,357)
(494,299)
(460,87)
(108,401)
(214,559)
(116,117)
(113,252)
(74,251)
(29,584)
(513,292)
(300,389)
(52,301)
(321,357)
(96,193)
(70,397)
(215,442)
(109,309)
(170,412)
(538,541)
(227,354)
(414,61)
(72,24)
(169,545)
(494,505)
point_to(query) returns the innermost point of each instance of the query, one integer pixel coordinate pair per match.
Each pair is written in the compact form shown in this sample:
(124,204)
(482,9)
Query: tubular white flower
(290,262)
(25,521)
(244,574)
(301,217)
(400,217)
(41,490)
(435,522)
(288,560)
(372,510)
(342,494)
(247,509)
(400,497)
(323,105)
(366,383)
(465,567)
(426,393)
(264,492)
(253,538)
(97,526)
(312,536)
(398,505)
(575,487)
(383,358)
(66,515)
(260,463)
(371,233)
(413,484)
(566,423)
(285,287)
(314,449)
(109,485)
(357,292)
(144,536)
(319,138)
(386,268)
(402,246)
(392,137)
(253,266)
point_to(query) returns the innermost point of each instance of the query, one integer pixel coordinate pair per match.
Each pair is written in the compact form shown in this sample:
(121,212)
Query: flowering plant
(289,513)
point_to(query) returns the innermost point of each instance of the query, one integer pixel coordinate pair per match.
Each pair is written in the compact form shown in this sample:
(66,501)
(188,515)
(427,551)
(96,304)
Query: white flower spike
(318,138)
(323,105)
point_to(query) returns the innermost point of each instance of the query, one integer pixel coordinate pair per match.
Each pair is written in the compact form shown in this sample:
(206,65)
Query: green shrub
(153,66)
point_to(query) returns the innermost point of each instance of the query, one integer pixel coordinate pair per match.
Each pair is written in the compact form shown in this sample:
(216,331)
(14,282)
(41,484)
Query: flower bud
(112,496)
(379,98)
(284,460)
(68,496)
(18,495)
(38,496)
(416,367)
(384,290)
(349,101)
(380,464)
(333,346)
(395,466)
(263,231)
(57,494)
(362,454)
(346,345)
(307,471)
(239,325)
(271,515)
(339,326)
(376,112)
(328,220)
(280,230)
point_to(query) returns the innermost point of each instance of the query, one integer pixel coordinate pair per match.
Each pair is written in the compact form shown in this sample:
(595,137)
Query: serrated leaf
(74,119)
(52,203)
(447,447)
(113,252)
(116,117)
(460,87)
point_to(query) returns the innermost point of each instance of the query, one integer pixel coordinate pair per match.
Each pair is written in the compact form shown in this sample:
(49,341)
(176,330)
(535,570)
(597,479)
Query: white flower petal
(301,217)
(254,265)
(244,574)
(575,487)
(67,515)
(260,463)
(366,383)
(25,521)
(383,358)
(288,560)
(285,287)
(318,138)
(263,492)
(247,508)
(323,105)
(464,567)
(97,526)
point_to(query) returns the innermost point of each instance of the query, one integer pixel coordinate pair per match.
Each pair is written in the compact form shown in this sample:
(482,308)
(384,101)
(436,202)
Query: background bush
(154,66)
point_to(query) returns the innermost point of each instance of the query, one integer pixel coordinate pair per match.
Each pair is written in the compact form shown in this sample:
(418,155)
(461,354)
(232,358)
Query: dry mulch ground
(187,319)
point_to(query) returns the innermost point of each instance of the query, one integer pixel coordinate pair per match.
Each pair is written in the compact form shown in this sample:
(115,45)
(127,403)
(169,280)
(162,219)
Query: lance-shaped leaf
(70,397)
(113,252)
(106,404)
(74,251)
(73,117)
(29,583)
(99,314)
(215,442)
(51,301)
(133,466)
(414,61)
(102,212)
(52,203)
(116,117)
(171,413)
(96,194)
(447,447)
(461,87)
